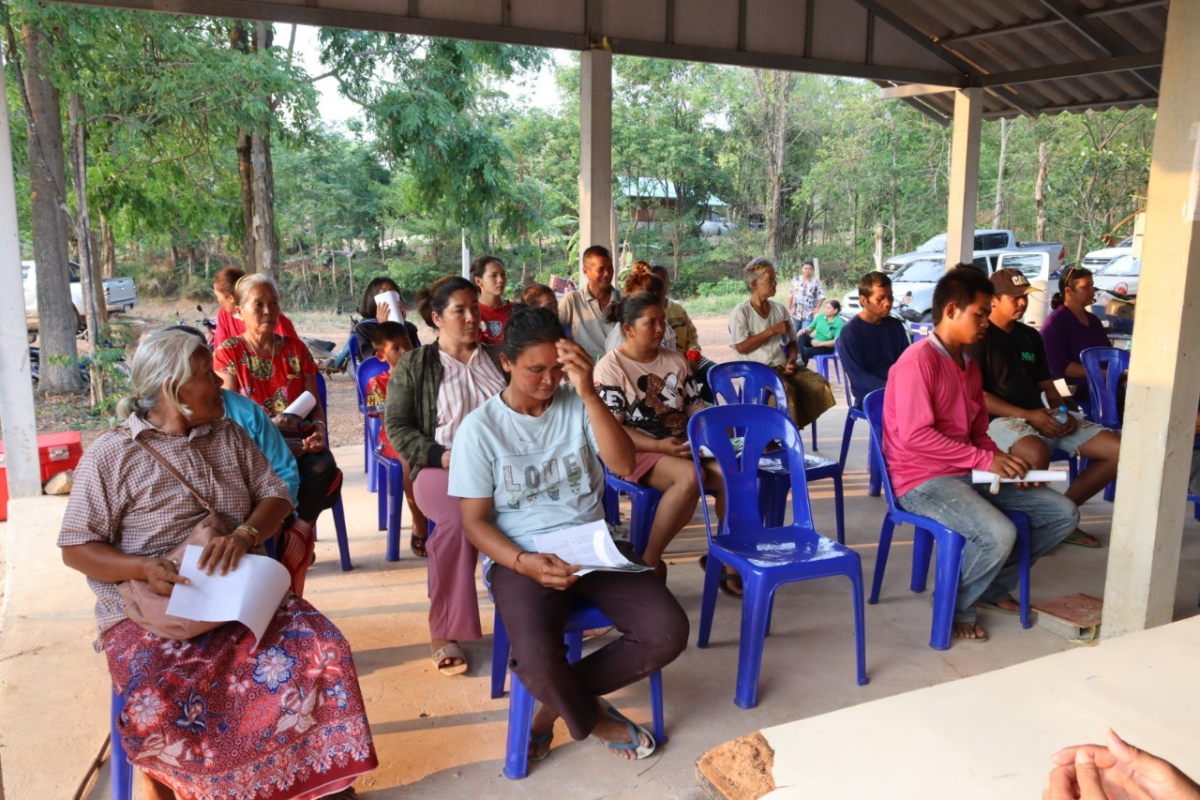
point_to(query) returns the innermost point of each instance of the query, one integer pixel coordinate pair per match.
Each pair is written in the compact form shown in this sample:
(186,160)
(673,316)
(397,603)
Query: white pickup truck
(912,285)
(120,294)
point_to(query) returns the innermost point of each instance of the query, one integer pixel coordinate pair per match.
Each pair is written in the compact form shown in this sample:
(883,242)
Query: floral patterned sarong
(211,719)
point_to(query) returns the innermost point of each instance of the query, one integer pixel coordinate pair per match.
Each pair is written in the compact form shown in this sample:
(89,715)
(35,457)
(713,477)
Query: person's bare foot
(970,631)
(609,730)
(1008,604)
(543,720)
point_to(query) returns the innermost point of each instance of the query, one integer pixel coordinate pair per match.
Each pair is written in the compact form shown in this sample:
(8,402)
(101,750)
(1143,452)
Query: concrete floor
(438,736)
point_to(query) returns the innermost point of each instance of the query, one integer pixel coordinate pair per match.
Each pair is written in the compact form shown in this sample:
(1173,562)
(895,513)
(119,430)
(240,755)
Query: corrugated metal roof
(1032,56)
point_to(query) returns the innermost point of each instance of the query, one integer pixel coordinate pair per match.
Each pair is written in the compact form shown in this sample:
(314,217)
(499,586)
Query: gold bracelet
(253,531)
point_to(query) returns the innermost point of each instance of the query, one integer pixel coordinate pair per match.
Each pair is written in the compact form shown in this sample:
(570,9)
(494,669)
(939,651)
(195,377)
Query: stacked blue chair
(928,532)
(759,383)
(1105,366)
(521,702)
(363,374)
(339,511)
(391,492)
(765,557)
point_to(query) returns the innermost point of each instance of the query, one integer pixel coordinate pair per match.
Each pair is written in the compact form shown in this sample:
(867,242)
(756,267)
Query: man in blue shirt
(872,341)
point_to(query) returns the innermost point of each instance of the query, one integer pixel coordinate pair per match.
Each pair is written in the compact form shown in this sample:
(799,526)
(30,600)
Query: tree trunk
(1039,191)
(260,245)
(999,208)
(108,262)
(93,289)
(775,89)
(879,246)
(246,177)
(56,312)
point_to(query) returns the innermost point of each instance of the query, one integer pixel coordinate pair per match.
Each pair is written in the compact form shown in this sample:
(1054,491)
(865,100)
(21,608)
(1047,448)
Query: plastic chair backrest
(760,425)
(759,383)
(837,348)
(321,397)
(1104,366)
(873,408)
(362,375)
(353,345)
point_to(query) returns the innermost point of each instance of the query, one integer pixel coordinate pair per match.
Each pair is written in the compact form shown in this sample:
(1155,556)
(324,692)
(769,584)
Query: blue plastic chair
(339,511)
(928,531)
(121,784)
(761,385)
(823,363)
(1104,366)
(391,491)
(363,374)
(644,502)
(919,330)
(355,357)
(774,483)
(853,415)
(765,557)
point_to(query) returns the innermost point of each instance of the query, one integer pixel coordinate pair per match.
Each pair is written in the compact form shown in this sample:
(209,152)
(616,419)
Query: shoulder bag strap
(167,466)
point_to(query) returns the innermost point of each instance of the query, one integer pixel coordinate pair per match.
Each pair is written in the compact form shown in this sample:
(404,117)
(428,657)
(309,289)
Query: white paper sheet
(1033,476)
(302,406)
(249,594)
(393,301)
(588,545)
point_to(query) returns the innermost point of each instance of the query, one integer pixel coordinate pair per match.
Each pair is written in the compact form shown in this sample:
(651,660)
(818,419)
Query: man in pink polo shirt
(935,431)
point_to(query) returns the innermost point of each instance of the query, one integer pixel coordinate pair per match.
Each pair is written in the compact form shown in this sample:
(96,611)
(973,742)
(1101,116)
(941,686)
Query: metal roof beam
(927,110)
(1077,70)
(1049,22)
(1100,35)
(953,59)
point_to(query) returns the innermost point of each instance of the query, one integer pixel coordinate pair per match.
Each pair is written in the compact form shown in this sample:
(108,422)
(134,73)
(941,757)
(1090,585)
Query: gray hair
(756,269)
(248,283)
(162,363)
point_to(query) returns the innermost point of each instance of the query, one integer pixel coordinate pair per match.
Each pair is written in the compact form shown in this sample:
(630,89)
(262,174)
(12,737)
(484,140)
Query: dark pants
(320,484)
(807,351)
(654,632)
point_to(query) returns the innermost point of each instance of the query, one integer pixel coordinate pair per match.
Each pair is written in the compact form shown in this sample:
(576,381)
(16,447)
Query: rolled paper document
(302,406)
(393,301)
(1033,476)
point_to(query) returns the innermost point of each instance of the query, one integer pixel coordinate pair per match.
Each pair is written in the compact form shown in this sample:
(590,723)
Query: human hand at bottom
(1119,771)
(547,569)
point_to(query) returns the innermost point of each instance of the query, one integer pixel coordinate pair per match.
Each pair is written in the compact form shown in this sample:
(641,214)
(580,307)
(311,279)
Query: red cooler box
(57,452)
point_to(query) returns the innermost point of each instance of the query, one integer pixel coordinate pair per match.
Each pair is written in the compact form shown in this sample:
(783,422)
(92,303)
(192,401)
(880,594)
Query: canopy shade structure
(1030,56)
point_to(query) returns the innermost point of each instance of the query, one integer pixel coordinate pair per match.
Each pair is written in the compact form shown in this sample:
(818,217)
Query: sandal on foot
(450,651)
(538,740)
(417,545)
(973,639)
(729,580)
(1081,539)
(635,734)
(1012,612)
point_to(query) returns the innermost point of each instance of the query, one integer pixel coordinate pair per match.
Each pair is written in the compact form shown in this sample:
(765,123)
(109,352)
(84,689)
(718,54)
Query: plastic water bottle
(1061,415)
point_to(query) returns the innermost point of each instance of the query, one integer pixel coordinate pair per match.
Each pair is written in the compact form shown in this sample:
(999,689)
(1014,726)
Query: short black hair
(597,250)
(528,327)
(872,279)
(435,298)
(389,332)
(837,305)
(630,308)
(960,286)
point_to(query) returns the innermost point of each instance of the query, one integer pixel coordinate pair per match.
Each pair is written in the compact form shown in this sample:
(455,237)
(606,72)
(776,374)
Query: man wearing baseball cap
(1015,375)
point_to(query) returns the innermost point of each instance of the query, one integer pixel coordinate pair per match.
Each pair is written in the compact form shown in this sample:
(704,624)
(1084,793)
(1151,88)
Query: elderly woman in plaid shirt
(212,716)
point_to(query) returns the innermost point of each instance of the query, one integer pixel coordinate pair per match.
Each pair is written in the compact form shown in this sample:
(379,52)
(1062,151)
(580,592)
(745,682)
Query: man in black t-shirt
(1015,375)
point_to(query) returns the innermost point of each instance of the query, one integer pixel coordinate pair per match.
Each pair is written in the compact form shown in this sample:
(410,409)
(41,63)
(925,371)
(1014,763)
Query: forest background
(196,143)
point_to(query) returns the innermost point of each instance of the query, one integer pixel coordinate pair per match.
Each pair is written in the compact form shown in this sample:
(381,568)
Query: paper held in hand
(588,545)
(249,594)
(1033,476)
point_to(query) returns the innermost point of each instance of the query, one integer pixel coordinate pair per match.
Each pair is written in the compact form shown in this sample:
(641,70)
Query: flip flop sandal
(635,734)
(452,650)
(1012,612)
(538,740)
(975,640)
(1081,539)
(417,545)
(728,580)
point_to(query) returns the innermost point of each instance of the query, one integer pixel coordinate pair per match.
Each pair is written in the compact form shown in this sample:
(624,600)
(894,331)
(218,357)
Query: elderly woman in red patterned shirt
(209,716)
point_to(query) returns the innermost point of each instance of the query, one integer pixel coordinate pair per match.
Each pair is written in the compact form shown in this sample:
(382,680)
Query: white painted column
(964,177)
(595,151)
(16,387)
(1164,378)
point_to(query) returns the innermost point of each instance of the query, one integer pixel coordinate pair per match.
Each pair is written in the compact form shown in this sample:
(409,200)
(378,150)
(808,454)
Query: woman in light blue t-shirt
(533,467)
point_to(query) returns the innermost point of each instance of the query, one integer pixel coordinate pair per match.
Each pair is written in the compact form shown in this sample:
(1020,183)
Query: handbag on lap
(148,608)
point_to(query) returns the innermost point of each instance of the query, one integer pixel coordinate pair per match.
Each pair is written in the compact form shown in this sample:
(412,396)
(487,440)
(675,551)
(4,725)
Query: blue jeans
(991,565)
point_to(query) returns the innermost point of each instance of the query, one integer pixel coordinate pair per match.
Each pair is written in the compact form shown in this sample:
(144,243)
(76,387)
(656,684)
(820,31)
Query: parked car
(989,243)
(120,294)
(1118,278)
(1098,259)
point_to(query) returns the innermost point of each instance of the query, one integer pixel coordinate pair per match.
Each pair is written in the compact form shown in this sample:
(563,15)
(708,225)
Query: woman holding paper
(278,373)
(381,302)
(431,391)
(650,390)
(534,468)
(214,715)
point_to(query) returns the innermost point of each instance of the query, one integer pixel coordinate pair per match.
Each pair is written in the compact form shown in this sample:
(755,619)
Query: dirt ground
(57,413)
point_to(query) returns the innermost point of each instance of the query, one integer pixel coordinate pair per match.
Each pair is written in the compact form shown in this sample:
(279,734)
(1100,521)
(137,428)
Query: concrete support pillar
(595,150)
(964,177)
(1164,378)
(16,387)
